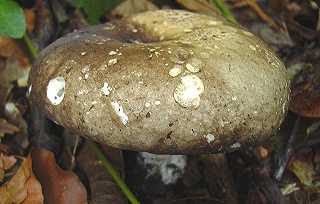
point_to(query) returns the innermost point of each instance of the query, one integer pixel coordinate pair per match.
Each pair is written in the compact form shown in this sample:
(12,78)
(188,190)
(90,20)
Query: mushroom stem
(113,173)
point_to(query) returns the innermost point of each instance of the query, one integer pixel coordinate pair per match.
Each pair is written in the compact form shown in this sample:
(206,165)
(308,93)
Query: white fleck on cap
(120,112)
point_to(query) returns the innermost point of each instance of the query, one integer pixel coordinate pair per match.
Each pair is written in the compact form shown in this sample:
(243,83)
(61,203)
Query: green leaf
(12,21)
(224,10)
(95,9)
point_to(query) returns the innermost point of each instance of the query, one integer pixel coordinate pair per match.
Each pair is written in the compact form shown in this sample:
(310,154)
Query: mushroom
(166,81)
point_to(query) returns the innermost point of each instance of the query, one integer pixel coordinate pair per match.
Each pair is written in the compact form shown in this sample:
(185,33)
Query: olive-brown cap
(164,81)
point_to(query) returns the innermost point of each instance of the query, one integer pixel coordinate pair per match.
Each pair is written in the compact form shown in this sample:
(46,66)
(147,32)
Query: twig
(113,173)
(255,6)
(75,147)
(284,158)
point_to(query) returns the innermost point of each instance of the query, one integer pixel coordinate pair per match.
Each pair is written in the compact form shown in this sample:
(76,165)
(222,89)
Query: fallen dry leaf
(255,6)
(15,117)
(34,191)
(6,162)
(7,46)
(221,184)
(278,6)
(59,186)
(7,128)
(303,168)
(10,48)
(305,93)
(130,7)
(262,152)
(276,39)
(14,72)
(30,19)
(103,188)
(14,190)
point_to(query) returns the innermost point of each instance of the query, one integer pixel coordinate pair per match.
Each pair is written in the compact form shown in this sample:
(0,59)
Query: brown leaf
(303,168)
(30,19)
(305,100)
(59,186)
(14,115)
(34,190)
(6,162)
(14,72)
(7,46)
(130,7)
(265,17)
(15,191)
(262,152)
(7,128)
(221,186)
(278,5)
(103,188)
(10,48)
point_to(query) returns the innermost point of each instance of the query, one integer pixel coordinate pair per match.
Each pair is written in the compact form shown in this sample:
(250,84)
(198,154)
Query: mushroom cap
(166,81)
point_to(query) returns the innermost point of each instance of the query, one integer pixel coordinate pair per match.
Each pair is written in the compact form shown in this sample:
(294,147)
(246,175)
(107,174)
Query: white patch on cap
(194,65)
(210,137)
(213,23)
(29,90)
(157,103)
(252,47)
(147,104)
(55,90)
(112,61)
(175,71)
(112,52)
(106,89)
(120,112)
(187,93)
